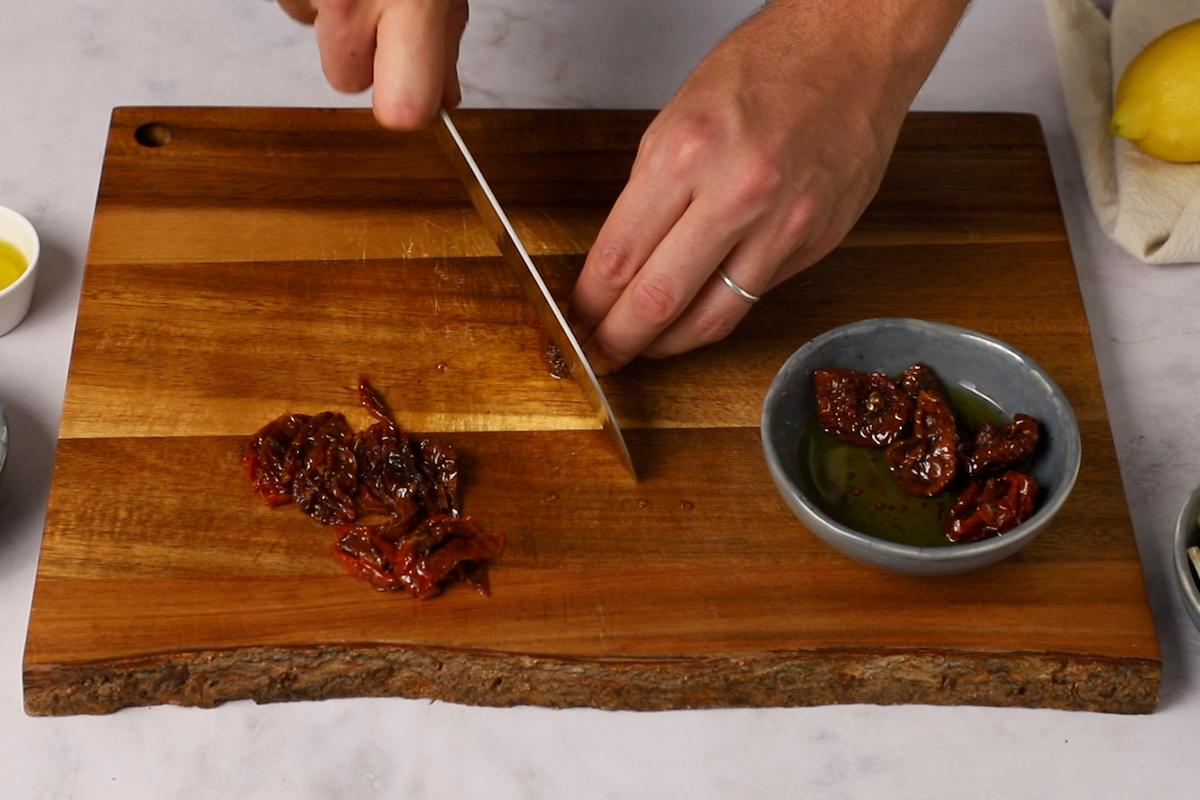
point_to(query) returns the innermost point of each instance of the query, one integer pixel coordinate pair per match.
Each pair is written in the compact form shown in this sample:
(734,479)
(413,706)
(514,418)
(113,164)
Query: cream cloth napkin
(1149,207)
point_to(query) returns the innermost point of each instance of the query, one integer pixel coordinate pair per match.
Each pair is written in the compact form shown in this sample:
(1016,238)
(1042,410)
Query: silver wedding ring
(738,290)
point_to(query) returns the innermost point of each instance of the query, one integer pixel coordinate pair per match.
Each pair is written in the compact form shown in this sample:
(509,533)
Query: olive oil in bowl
(12,264)
(19,250)
(853,485)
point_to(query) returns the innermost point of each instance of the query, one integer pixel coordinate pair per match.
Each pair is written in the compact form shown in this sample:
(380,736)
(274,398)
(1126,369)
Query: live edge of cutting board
(262,259)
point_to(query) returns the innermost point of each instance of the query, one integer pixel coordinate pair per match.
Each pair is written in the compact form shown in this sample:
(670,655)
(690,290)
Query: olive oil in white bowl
(12,264)
(19,251)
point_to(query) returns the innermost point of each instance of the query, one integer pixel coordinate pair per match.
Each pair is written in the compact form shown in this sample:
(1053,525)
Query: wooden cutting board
(250,262)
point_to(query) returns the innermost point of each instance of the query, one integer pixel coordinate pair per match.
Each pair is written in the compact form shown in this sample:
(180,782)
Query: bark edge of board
(789,679)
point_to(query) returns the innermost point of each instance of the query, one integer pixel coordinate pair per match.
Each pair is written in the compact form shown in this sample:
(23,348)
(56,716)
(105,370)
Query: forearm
(889,45)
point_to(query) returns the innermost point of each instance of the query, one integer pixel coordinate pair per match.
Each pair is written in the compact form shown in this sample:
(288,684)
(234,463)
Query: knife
(530,280)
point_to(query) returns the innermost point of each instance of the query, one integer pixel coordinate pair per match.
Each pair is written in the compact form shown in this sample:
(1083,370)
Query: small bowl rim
(3,436)
(22,221)
(968,550)
(1187,530)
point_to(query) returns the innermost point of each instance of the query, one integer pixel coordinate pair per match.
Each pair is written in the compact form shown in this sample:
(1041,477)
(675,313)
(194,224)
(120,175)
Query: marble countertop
(66,63)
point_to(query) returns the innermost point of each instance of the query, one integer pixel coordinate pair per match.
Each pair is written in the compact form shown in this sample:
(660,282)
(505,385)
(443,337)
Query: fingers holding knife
(416,61)
(407,49)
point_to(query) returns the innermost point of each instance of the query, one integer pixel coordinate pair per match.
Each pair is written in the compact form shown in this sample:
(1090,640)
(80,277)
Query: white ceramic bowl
(15,298)
(972,361)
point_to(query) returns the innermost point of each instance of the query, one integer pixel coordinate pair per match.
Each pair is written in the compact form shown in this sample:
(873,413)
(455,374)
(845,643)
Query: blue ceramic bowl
(973,362)
(1187,534)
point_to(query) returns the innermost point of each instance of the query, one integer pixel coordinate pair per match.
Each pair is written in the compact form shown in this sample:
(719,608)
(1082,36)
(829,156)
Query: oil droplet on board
(686,505)
(643,503)
(441,366)
(550,497)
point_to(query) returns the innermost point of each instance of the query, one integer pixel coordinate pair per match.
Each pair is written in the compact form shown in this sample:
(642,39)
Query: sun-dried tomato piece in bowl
(991,507)
(861,408)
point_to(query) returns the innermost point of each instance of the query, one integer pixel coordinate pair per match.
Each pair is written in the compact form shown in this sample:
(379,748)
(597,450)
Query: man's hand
(759,166)
(407,48)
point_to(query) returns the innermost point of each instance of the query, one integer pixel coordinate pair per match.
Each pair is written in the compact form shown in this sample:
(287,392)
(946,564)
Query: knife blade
(530,280)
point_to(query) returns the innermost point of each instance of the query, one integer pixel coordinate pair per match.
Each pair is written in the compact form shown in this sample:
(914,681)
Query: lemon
(1158,97)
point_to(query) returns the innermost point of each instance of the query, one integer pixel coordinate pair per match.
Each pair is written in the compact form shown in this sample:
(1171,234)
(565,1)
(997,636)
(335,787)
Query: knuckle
(682,146)
(614,263)
(654,301)
(759,179)
(798,218)
(645,145)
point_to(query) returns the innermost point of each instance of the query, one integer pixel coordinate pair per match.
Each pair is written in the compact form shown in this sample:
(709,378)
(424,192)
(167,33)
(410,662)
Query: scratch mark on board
(603,621)
(570,239)
(430,223)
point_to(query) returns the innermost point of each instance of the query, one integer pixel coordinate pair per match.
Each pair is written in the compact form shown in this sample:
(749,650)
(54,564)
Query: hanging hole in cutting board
(153,134)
